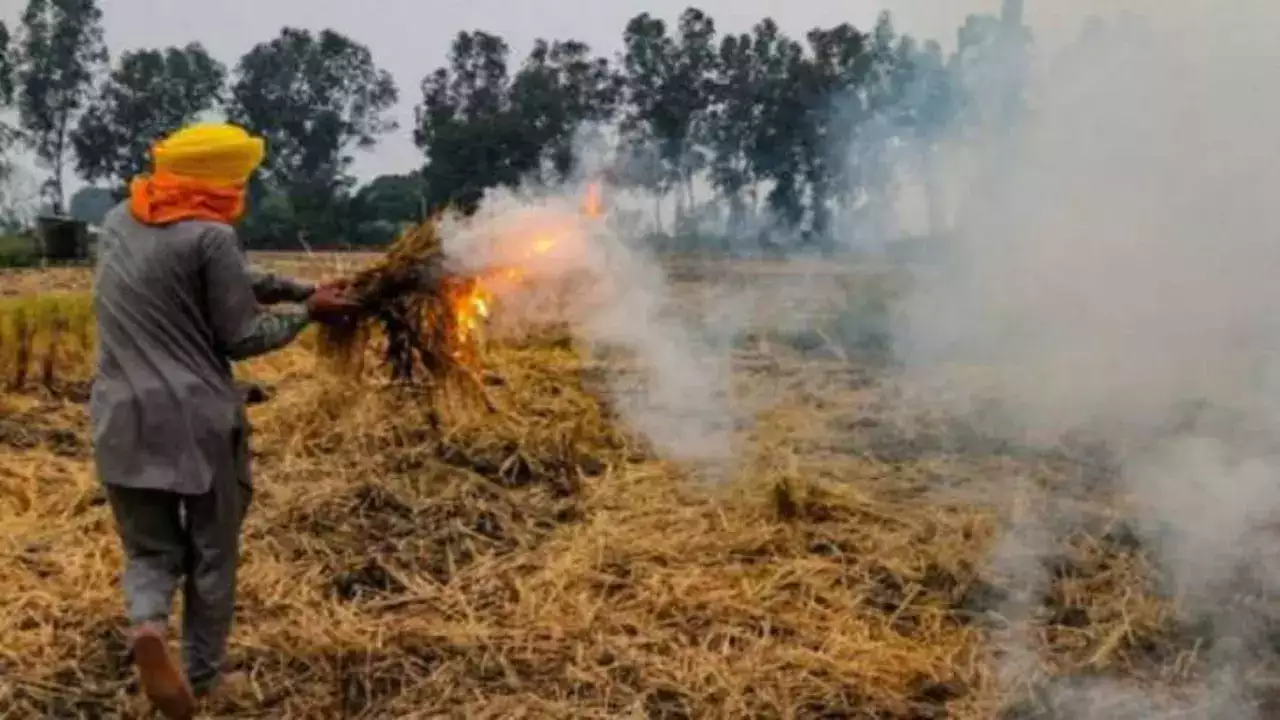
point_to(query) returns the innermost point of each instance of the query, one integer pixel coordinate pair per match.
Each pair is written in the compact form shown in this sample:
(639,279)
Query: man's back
(164,404)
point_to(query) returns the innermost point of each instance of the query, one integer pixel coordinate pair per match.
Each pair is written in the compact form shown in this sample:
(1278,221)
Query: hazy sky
(411,37)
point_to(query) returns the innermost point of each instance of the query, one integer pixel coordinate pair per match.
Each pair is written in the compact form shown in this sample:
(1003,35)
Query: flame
(594,207)
(472,301)
(543,244)
(471,306)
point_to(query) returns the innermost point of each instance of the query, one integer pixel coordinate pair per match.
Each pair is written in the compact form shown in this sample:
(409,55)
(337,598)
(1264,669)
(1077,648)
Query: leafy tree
(782,121)
(931,103)
(149,94)
(8,135)
(316,98)
(669,89)
(734,124)
(830,82)
(7,62)
(270,223)
(690,92)
(466,125)
(647,120)
(559,89)
(816,125)
(59,51)
(384,205)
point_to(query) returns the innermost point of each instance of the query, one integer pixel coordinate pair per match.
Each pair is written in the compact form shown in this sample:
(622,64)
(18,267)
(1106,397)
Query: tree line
(754,133)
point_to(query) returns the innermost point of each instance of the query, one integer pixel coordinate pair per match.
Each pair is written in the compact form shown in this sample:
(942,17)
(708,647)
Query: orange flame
(543,244)
(594,207)
(472,301)
(470,305)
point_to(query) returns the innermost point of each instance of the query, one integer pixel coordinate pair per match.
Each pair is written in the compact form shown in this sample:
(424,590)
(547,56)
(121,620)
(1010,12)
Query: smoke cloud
(1110,268)
(1115,261)
(572,266)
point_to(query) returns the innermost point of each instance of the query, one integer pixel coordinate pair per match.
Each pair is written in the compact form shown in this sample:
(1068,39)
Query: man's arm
(272,289)
(271,331)
(242,329)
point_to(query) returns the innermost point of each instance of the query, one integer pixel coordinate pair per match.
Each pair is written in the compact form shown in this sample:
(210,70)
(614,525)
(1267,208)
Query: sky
(410,38)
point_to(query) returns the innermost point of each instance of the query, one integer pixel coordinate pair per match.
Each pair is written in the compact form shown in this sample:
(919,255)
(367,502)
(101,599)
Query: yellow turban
(217,153)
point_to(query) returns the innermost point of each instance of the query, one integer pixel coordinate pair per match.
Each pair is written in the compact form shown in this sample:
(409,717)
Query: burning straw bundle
(427,316)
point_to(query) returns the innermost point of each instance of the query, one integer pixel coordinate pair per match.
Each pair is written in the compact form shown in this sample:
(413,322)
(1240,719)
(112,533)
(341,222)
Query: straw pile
(403,562)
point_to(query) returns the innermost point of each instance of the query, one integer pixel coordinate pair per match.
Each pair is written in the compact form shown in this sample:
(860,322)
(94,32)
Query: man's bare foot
(162,681)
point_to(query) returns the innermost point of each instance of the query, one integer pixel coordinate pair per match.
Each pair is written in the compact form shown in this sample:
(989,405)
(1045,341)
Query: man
(176,303)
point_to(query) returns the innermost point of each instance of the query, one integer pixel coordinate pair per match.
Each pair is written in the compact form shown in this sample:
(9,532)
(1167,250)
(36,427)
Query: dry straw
(407,558)
(44,338)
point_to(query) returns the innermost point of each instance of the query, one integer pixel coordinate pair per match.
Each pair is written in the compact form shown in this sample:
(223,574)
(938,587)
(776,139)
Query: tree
(930,104)
(689,93)
(734,123)
(149,94)
(59,51)
(646,61)
(782,120)
(466,125)
(838,68)
(270,223)
(669,89)
(384,205)
(7,62)
(8,135)
(558,90)
(9,218)
(316,98)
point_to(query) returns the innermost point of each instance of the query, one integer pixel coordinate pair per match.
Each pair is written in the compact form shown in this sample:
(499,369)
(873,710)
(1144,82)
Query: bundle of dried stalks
(424,316)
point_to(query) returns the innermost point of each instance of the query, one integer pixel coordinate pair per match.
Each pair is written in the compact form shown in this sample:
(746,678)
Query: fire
(472,302)
(594,208)
(543,244)
(470,308)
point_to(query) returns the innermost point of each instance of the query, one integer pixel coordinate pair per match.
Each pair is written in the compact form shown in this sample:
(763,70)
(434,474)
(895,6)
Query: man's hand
(331,303)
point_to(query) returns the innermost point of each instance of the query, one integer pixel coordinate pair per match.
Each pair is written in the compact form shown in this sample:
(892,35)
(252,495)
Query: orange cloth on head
(200,174)
(165,198)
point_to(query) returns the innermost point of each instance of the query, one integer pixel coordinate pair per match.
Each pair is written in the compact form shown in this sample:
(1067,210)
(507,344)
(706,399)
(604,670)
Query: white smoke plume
(1116,258)
(578,269)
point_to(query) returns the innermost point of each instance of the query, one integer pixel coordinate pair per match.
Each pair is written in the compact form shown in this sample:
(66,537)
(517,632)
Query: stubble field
(412,559)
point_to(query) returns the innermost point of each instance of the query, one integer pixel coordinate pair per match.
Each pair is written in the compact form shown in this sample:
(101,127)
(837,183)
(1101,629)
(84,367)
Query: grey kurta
(175,305)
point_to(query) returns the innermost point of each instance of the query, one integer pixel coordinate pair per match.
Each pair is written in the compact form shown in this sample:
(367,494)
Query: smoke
(1111,265)
(564,264)
(1116,259)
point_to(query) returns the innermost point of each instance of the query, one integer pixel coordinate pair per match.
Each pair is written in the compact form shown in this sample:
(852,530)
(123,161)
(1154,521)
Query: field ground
(411,559)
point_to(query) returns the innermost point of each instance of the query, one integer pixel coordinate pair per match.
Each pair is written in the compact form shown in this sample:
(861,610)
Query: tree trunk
(56,163)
